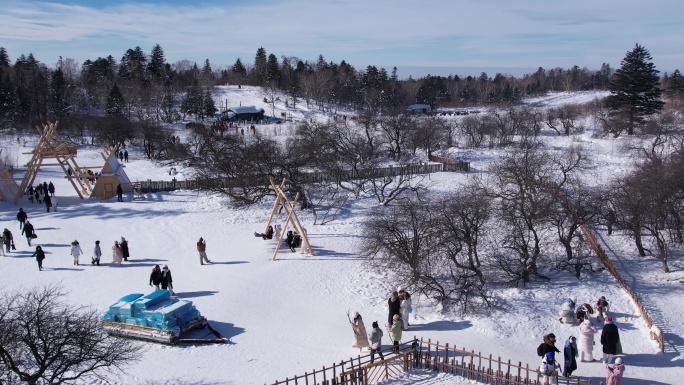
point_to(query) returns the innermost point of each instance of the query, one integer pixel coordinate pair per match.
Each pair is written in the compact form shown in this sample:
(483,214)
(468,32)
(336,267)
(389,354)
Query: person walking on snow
(549,345)
(76,251)
(405,309)
(22,217)
(394,305)
(615,372)
(610,338)
(395,332)
(166,280)
(375,339)
(126,155)
(124,248)
(586,341)
(117,255)
(48,202)
(7,239)
(28,231)
(569,353)
(155,277)
(97,253)
(2,242)
(51,189)
(39,255)
(202,249)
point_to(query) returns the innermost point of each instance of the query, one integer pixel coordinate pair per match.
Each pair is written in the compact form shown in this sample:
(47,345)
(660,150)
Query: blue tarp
(156,310)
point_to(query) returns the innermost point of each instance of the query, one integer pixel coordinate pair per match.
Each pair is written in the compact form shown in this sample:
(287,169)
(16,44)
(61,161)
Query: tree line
(145,86)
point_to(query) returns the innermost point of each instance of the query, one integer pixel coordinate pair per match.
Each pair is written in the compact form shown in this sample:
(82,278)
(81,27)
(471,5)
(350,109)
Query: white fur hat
(618,360)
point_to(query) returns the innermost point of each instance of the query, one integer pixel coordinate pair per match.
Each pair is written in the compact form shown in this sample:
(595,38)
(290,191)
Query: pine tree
(115,102)
(675,85)
(272,69)
(635,91)
(260,62)
(157,64)
(238,68)
(58,89)
(4,58)
(208,105)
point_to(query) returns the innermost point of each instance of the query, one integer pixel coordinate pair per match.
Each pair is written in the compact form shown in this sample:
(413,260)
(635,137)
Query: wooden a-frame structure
(8,185)
(51,146)
(288,206)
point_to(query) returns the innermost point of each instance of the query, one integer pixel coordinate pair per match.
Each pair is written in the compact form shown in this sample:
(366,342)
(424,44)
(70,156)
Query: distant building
(419,108)
(249,113)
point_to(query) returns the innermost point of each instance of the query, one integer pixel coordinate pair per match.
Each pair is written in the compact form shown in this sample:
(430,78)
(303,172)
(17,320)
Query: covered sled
(154,317)
(361,337)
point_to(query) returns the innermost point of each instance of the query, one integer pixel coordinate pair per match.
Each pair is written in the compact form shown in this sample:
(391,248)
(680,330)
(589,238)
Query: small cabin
(247,113)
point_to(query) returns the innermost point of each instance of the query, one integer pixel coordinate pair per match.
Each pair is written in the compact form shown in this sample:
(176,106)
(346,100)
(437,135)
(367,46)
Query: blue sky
(433,36)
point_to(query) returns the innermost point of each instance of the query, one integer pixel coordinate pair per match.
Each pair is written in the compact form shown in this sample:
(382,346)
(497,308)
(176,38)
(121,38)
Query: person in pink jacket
(615,372)
(117,253)
(586,341)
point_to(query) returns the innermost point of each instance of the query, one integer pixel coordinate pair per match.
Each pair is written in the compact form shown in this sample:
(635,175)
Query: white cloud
(440,33)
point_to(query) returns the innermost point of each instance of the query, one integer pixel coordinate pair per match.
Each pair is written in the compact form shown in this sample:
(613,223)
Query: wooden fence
(150,186)
(656,333)
(451,164)
(427,355)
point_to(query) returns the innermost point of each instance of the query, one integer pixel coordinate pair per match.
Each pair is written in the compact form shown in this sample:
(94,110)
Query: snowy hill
(288,316)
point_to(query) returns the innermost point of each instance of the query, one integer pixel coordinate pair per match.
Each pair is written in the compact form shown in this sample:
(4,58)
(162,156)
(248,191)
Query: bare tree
(46,340)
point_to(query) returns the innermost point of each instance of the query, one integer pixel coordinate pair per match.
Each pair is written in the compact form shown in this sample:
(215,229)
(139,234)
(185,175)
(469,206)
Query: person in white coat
(405,309)
(586,341)
(76,251)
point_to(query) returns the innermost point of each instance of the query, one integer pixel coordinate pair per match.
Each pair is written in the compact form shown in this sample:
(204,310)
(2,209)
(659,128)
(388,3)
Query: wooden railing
(428,355)
(150,186)
(656,332)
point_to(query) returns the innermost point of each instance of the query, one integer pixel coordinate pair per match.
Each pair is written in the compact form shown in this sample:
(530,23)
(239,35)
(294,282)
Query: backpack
(540,350)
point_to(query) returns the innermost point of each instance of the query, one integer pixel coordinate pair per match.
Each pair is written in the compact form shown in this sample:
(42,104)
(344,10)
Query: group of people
(161,277)
(610,341)
(43,193)
(123,155)
(293,239)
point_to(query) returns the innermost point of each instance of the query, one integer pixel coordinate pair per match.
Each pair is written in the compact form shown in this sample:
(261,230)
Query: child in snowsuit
(395,332)
(97,253)
(615,372)
(567,310)
(548,369)
(76,251)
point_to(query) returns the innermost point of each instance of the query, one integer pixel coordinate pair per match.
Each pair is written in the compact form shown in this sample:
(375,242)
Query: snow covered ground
(288,316)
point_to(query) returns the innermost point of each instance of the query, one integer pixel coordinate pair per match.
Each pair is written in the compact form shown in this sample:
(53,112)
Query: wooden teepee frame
(288,206)
(51,146)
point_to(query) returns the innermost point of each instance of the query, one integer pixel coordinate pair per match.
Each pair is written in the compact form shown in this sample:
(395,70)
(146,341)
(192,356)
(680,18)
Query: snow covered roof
(245,110)
(419,107)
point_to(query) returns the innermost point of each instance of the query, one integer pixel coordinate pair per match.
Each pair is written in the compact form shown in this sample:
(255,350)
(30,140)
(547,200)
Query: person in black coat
(549,345)
(28,231)
(119,193)
(124,248)
(39,255)
(22,217)
(8,239)
(610,338)
(394,305)
(48,202)
(166,279)
(155,277)
(289,239)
